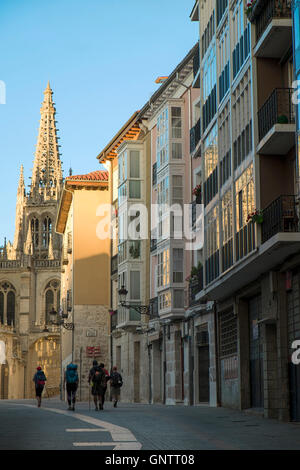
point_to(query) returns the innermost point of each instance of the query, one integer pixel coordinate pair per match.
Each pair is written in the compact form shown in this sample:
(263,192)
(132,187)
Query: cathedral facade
(30,272)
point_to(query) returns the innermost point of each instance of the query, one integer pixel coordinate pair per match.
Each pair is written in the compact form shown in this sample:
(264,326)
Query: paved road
(132,426)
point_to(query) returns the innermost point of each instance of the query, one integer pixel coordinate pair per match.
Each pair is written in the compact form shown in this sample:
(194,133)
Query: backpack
(116,379)
(71,375)
(40,378)
(99,378)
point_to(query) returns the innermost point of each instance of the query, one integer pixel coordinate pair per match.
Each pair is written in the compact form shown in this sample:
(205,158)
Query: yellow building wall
(91,255)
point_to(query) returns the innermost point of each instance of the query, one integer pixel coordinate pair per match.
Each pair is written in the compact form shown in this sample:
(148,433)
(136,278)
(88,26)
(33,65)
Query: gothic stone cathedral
(30,270)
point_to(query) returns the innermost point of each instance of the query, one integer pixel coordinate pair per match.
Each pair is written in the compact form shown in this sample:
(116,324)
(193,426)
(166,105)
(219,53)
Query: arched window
(35,231)
(11,305)
(52,298)
(7,304)
(47,228)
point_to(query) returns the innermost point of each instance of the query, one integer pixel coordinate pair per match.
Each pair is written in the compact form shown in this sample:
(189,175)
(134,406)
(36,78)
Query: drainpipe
(164,363)
(149,347)
(217,355)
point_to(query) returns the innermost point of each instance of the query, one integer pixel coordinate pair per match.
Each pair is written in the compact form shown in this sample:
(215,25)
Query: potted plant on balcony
(282,119)
(256,217)
(195,272)
(197,192)
(249,7)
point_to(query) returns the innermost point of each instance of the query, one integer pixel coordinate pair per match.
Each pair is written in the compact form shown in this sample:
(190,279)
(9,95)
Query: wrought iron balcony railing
(278,109)
(266,11)
(280,216)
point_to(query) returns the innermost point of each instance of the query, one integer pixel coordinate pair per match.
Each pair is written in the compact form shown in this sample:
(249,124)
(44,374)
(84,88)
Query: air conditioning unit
(202,338)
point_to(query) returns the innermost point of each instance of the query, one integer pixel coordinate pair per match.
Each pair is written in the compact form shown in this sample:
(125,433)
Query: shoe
(101,407)
(96,409)
(115,404)
(73,408)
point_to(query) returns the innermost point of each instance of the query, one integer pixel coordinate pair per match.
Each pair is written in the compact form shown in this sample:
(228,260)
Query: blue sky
(101,58)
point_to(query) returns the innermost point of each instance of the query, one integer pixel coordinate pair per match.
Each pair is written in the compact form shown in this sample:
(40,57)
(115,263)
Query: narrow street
(23,426)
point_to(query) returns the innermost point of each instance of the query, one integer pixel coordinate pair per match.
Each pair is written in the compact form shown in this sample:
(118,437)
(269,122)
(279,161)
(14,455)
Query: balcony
(10,264)
(47,263)
(276,123)
(280,241)
(195,286)
(195,134)
(129,250)
(273,20)
(280,216)
(128,319)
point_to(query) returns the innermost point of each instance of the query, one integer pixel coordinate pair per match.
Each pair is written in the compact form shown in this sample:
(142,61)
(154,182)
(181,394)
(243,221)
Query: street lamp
(58,322)
(142,309)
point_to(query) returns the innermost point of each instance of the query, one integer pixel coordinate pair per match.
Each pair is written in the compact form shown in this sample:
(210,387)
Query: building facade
(154,162)
(85,286)
(249,193)
(30,271)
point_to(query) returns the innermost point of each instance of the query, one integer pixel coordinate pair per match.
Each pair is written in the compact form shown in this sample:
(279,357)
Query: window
(212,245)
(227,249)
(210,166)
(122,193)
(135,293)
(7,304)
(177,189)
(176,123)
(224,72)
(244,188)
(162,147)
(163,261)
(163,191)
(164,300)
(177,265)
(35,231)
(208,34)
(241,38)
(177,150)
(134,189)
(134,164)
(242,120)
(178,301)
(47,228)
(209,89)
(221,8)
(52,299)
(224,145)
(245,232)
(228,334)
(122,160)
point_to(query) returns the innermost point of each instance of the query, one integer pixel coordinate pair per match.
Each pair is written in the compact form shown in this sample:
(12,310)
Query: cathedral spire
(21,198)
(47,172)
